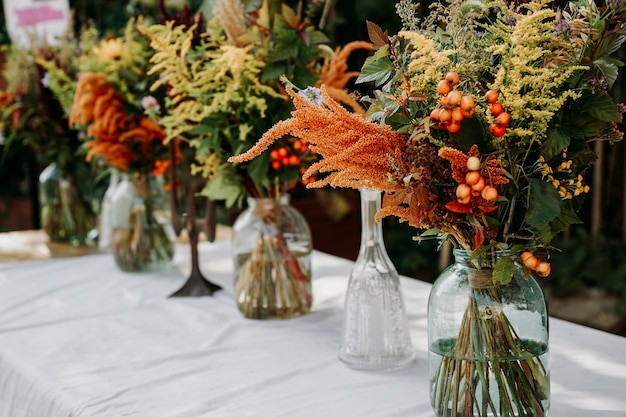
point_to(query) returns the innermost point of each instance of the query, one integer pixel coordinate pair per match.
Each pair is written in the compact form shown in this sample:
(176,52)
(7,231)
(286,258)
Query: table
(80,338)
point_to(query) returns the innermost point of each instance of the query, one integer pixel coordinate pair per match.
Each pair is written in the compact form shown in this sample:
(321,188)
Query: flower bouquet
(478,132)
(33,115)
(222,78)
(112,108)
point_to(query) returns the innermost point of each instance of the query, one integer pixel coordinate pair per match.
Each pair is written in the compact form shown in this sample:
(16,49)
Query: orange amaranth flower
(356,153)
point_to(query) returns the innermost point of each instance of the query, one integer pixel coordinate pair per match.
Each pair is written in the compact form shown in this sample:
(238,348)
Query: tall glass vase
(375,331)
(488,344)
(272,255)
(65,215)
(143,236)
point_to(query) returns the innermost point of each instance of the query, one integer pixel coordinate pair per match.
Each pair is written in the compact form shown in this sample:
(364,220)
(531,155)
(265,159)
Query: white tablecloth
(78,337)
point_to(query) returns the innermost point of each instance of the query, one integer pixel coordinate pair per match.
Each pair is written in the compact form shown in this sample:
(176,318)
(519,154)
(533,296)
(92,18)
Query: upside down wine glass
(375,332)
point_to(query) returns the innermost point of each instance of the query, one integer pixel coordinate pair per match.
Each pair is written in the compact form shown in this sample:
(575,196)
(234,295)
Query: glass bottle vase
(65,215)
(272,248)
(488,344)
(143,236)
(375,331)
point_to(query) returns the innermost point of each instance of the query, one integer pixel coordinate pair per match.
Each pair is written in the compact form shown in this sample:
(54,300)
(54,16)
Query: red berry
(276,164)
(294,160)
(497,130)
(496,108)
(503,119)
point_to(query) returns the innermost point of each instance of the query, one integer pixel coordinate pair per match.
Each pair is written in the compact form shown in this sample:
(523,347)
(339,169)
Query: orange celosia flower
(356,153)
(120,139)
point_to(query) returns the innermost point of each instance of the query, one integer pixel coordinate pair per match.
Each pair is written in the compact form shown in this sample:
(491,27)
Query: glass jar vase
(65,215)
(375,332)
(143,236)
(488,343)
(272,248)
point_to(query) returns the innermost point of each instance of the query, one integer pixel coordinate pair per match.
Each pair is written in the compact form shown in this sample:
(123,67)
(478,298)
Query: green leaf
(378,71)
(503,270)
(610,45)
(471,133)
(543,204)
(557,140)
(273,71)
(609,68)
(602,107)
(223,187)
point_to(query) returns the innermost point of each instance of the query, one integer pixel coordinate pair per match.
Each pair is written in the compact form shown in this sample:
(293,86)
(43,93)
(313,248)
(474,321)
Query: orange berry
(457,115)
(282,152)
(472,177)
(297,144)
(445,115)
(453,126)
(285,160)
(467,103)
(496,108)
(463,191)
(452,78)
(497,130)
(434,115)
(473,163)
(489,193)
(479,186)
(491,96)
(454,98)
(294,160)
(276,164)
(274,154)
(503,119)
(543,269)
(443,87)
(532,262)
(525,255)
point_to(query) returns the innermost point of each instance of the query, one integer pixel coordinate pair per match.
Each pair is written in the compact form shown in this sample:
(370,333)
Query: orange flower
(356,152)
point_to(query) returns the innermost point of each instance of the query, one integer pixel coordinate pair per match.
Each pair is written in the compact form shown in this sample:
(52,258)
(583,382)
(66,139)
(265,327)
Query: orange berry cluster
(454,105)
(533,263)
(498,127)
(475,184)
(282,157)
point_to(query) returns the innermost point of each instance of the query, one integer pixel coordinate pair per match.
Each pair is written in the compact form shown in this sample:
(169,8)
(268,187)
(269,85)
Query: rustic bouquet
(32,115)
(222,78)
(479,131)
(113,109)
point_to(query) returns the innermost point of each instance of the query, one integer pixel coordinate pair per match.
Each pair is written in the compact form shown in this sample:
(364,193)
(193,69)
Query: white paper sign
(40,18)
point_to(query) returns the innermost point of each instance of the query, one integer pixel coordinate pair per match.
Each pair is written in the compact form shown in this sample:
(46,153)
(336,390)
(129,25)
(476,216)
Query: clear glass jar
(143,236)
(65,215)
(488,344)
(105,226)
(272,248)
(375,331)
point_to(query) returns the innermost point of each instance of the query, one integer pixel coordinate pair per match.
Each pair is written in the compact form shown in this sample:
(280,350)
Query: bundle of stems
(272,282)
(490,371)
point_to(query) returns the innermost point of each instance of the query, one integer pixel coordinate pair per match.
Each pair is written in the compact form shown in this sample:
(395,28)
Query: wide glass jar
(143,236)
(488,343)
(65,215)
(272,248)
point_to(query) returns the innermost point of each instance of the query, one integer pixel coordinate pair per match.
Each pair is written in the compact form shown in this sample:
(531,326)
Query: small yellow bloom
(109,50)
